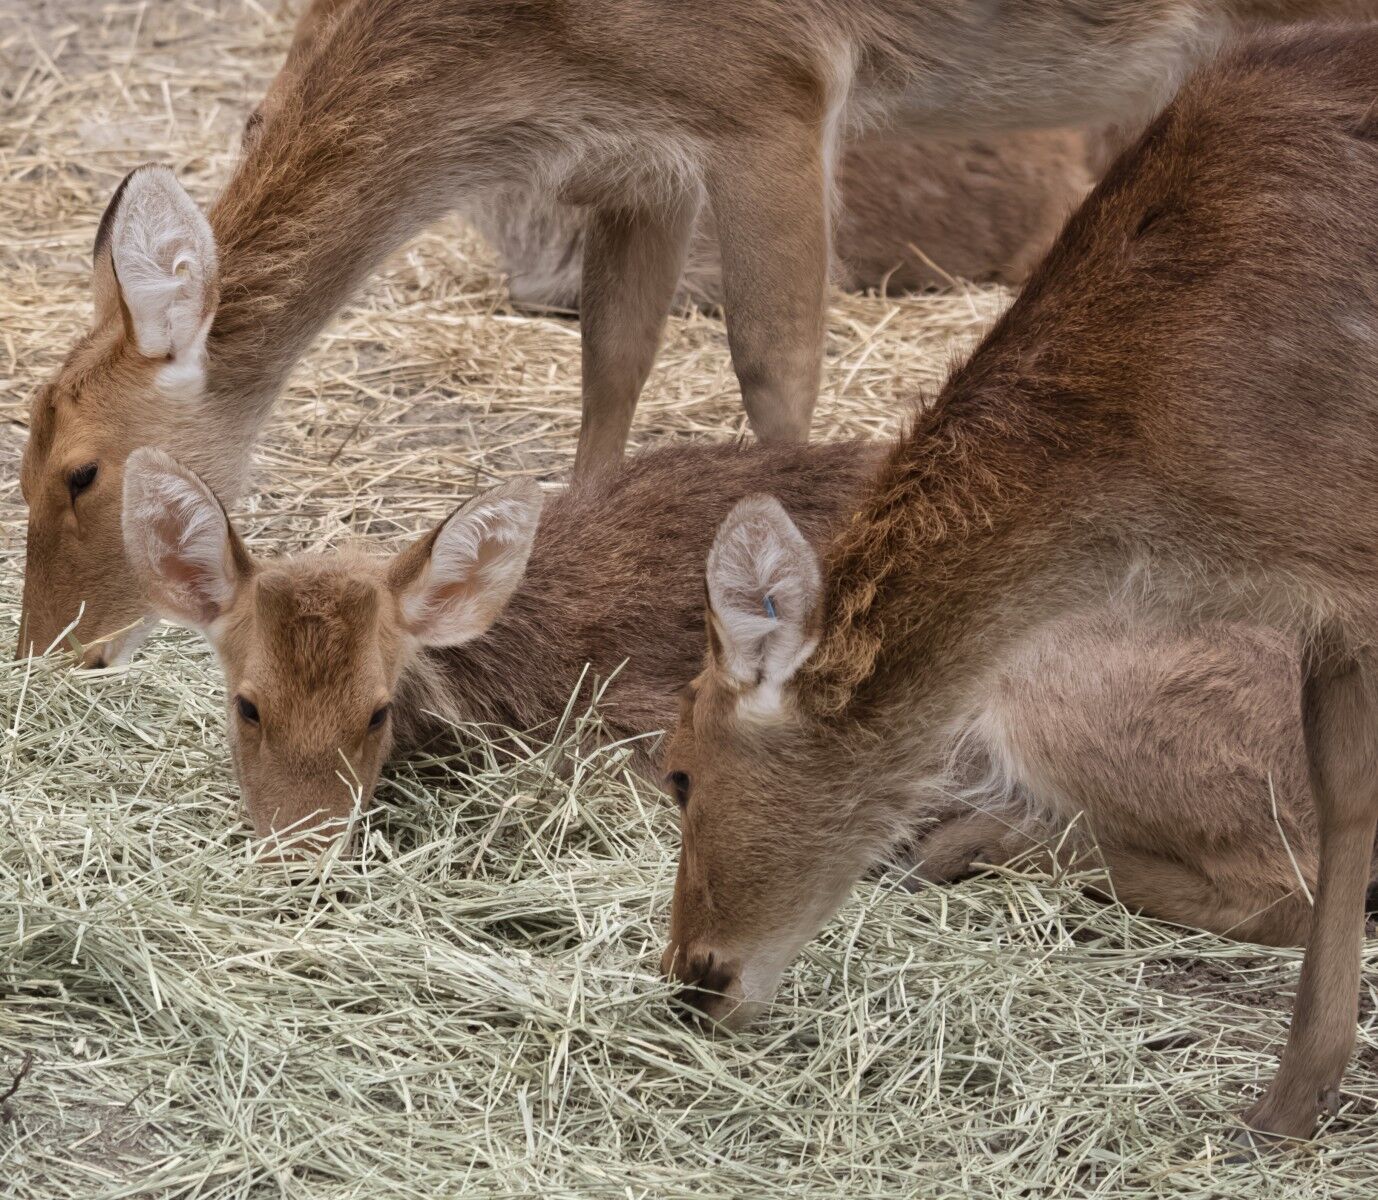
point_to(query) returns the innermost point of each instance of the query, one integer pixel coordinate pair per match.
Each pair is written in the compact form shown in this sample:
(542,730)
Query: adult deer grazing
(397,112)
(330,659)
(1179,407)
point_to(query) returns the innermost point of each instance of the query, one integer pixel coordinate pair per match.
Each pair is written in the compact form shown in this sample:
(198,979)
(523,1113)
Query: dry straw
(470,1005)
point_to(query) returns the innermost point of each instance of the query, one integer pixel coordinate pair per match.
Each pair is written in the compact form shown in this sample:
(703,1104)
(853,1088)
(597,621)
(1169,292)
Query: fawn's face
(313,647)
(312,650)
(764,859)
(129,381)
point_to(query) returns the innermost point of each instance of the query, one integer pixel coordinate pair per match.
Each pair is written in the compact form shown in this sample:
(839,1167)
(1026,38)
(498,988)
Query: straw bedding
(470,1005)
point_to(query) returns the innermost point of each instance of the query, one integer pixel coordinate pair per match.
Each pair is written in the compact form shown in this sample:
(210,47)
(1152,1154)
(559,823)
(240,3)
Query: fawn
(332,659)
(1178,409)
(390,114)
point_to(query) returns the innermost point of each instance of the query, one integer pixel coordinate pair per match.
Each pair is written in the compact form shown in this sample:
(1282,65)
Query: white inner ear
(165,261)
(764,587)
(478,560)
(177,539)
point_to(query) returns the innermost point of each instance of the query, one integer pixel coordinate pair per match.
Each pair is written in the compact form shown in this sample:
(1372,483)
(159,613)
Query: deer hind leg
(1138,879)
(632,264)
(770,205)
(1340,724)
(1193,897)
(961,846)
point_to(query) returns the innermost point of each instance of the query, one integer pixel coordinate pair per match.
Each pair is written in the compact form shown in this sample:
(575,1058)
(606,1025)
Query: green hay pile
(471,1006)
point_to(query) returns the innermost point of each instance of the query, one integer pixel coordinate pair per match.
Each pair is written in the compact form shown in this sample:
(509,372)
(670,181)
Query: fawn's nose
(94,658)
(303,841)
(708,981)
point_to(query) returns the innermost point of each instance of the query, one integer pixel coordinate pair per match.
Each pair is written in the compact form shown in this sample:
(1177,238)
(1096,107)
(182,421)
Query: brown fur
(914,213)
(393,113)
(319,642)
(1177,409)
(611,581)
(1173,761)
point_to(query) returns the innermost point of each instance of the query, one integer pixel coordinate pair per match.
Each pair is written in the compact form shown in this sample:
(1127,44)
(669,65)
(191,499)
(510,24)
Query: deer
(392,114)
(1177,412)
(334,661)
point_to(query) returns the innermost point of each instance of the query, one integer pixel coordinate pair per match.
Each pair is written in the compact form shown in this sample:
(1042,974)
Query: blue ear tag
(770,608)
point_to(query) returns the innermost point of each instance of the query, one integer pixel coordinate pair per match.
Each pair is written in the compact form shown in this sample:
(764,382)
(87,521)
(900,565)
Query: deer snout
(302,840)
(297,849)
(298,822)
(94,658)
(117,648)
(710,985)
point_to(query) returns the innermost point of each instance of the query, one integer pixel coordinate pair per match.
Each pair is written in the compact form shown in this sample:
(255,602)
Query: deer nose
(706,978)
(305,842)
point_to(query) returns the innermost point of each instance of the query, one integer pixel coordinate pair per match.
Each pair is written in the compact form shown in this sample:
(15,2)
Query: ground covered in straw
(470,1006)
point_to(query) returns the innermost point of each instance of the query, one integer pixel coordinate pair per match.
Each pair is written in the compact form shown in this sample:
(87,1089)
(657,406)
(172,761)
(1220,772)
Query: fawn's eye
(380,714)
(679,785)
(81,478)
(247,709)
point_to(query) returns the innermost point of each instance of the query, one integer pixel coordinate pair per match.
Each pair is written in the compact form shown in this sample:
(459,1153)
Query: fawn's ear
(155,268)
(764,591)
(455,581)
(179,541)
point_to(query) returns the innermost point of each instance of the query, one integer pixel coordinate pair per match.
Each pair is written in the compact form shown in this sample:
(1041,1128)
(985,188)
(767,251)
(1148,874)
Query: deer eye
(81,478)
(679,785)
(247,709)
(380,714)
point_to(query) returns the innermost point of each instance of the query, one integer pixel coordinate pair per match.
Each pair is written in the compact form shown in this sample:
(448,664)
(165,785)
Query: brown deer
(1178,409)
(395,113)
(331,660)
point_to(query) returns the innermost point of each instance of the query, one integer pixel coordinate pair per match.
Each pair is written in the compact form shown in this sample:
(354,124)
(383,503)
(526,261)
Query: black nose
(704,978)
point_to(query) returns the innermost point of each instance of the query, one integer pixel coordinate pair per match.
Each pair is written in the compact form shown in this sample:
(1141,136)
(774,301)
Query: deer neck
(994,518)
(380,133)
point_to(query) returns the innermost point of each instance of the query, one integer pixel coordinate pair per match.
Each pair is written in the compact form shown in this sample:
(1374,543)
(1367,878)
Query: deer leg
(961,846)
(770,204)
(632,264)
(1340,724)
(1192,897)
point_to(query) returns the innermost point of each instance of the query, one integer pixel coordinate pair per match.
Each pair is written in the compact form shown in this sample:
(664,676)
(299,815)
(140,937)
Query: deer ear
(155,267)
(455,582)
(179,541)
(764,593)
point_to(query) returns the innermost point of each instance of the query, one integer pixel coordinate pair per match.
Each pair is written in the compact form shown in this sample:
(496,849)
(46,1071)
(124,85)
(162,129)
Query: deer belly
(1038,65)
